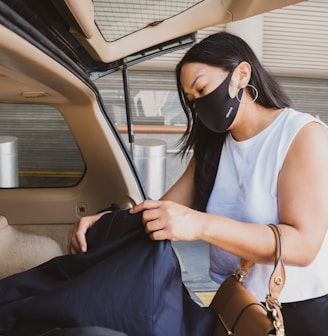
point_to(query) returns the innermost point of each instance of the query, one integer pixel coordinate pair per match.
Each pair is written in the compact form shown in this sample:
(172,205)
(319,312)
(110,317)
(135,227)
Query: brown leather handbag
(240,313)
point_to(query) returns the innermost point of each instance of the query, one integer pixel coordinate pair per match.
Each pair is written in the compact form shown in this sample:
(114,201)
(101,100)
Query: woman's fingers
(168,220)
(78,242)
(145,205)
(159,235)
(153,225)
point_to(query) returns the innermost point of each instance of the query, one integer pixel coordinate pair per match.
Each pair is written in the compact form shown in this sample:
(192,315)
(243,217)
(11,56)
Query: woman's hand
(78,241)
(169,220)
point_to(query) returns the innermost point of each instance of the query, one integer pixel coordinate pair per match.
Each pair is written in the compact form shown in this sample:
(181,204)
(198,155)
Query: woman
(273,168)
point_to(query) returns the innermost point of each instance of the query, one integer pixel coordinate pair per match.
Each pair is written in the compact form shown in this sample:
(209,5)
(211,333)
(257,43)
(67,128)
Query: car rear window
(116,19)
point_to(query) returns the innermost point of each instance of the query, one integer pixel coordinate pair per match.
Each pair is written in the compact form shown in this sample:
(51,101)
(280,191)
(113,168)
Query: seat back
(25,246)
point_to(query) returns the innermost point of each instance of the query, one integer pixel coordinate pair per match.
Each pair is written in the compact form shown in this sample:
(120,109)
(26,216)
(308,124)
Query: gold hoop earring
(255,96)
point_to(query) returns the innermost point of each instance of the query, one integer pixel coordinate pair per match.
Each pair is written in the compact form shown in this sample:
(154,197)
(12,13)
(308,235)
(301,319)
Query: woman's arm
(182,191)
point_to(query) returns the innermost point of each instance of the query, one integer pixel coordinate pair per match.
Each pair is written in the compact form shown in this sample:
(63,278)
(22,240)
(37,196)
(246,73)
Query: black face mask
(217,110)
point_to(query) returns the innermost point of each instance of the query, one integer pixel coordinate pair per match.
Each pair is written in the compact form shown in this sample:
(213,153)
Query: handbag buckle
(240,274)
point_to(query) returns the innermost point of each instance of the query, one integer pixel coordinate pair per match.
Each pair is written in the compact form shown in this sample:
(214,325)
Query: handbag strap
(278,277)
(276,284)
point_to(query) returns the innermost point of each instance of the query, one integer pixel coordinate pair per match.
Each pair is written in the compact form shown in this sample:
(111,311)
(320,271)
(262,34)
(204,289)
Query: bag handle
(276,284)
(278,277)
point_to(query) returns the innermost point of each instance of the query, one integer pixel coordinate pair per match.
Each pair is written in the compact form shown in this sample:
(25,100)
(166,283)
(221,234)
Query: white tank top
(245,189)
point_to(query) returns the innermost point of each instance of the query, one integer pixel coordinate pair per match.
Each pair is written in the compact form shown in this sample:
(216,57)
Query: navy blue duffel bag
(124,282)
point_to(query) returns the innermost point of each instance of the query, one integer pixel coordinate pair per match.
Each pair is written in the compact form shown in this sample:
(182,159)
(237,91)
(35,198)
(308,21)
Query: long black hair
(226,51)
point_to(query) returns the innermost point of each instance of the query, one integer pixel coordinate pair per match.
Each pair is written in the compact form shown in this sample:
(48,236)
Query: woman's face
(199,79)
(208,88)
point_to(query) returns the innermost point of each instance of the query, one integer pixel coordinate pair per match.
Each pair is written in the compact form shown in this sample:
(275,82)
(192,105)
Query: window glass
(114,18)
(153,96)
(46,153)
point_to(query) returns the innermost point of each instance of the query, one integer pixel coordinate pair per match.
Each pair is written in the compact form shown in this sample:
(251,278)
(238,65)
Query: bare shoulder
(313,130)
(311,142)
